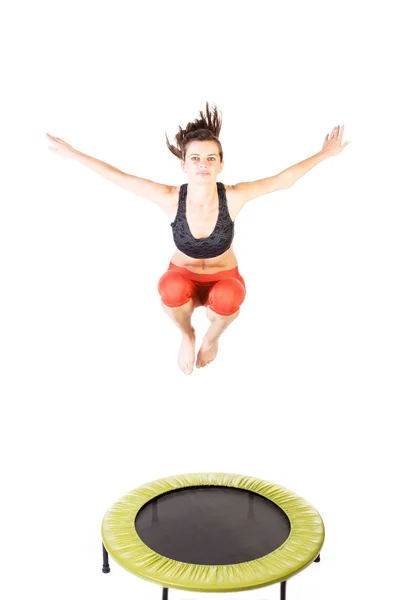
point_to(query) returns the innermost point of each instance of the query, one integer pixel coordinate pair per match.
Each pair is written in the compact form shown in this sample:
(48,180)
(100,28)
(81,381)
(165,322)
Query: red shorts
(223,292)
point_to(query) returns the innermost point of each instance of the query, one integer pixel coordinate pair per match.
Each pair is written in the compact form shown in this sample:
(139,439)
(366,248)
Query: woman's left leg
(223,308)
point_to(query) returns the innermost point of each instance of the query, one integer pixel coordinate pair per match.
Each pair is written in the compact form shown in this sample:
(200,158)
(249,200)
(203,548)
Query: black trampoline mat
(213,525)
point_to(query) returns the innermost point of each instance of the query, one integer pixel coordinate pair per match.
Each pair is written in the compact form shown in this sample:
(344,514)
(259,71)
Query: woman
(204,268)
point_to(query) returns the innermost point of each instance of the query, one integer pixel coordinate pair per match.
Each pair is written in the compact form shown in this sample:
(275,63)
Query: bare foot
(186,352)
(207,353)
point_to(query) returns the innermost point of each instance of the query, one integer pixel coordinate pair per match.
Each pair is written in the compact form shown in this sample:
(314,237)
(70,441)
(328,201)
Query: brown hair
(205,128)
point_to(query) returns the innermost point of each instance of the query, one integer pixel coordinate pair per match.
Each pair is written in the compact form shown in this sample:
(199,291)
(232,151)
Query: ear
(222,166)
(183,165)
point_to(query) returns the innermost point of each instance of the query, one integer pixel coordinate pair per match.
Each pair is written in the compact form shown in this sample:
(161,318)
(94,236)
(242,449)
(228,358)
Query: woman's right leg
(181,315)
(178,299)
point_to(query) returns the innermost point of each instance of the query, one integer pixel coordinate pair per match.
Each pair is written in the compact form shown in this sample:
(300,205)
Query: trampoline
(212,532)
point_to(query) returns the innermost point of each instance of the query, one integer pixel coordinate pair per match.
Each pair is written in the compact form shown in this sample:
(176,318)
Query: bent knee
(175,289)
(226,296)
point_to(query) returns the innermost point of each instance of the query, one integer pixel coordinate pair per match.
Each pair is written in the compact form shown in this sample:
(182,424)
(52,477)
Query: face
(202,162)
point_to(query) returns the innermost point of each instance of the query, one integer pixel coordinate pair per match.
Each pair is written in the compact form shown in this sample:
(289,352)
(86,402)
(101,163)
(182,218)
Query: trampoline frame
(300,550)
(106,569)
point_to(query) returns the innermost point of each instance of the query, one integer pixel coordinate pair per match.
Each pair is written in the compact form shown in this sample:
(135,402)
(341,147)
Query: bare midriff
(225,261)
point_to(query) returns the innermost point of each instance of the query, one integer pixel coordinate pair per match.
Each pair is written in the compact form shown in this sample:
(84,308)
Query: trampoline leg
(283,590)
(318,558)
(165,594)
(106,566)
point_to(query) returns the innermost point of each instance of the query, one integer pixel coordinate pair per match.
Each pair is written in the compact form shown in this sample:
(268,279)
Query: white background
(305,388)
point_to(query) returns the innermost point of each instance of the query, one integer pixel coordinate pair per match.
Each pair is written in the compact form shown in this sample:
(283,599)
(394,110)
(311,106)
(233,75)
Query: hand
(333,142)
(61,147)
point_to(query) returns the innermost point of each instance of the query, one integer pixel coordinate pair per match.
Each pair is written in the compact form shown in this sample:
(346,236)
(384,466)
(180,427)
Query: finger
(341,132)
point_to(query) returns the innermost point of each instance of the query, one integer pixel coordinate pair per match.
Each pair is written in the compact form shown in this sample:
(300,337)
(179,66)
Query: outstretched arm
(157,192)
(331,147)
(285,179)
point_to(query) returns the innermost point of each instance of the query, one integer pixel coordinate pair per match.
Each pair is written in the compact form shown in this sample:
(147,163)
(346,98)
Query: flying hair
(205,128)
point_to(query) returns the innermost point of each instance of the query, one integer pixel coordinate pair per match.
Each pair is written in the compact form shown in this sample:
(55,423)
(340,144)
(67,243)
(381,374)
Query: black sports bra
(215,244)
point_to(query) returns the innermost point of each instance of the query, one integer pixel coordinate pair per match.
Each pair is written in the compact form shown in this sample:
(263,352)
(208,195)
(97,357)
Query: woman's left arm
(245,191)
(332,146)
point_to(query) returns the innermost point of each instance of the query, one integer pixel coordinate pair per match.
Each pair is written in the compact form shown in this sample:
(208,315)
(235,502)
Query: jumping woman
(203,270)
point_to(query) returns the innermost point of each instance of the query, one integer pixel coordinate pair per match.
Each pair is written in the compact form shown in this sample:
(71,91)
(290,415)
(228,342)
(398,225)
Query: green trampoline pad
(214,532)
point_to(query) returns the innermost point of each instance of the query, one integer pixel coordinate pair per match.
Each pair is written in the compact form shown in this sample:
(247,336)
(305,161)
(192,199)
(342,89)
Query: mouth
(203,174)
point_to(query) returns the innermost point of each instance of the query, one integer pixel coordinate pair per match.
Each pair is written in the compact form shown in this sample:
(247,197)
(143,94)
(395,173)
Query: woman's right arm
(156,192)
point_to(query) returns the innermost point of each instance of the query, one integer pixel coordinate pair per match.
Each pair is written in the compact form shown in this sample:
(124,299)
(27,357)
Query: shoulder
(170,205)
(234,200)
(239,194)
